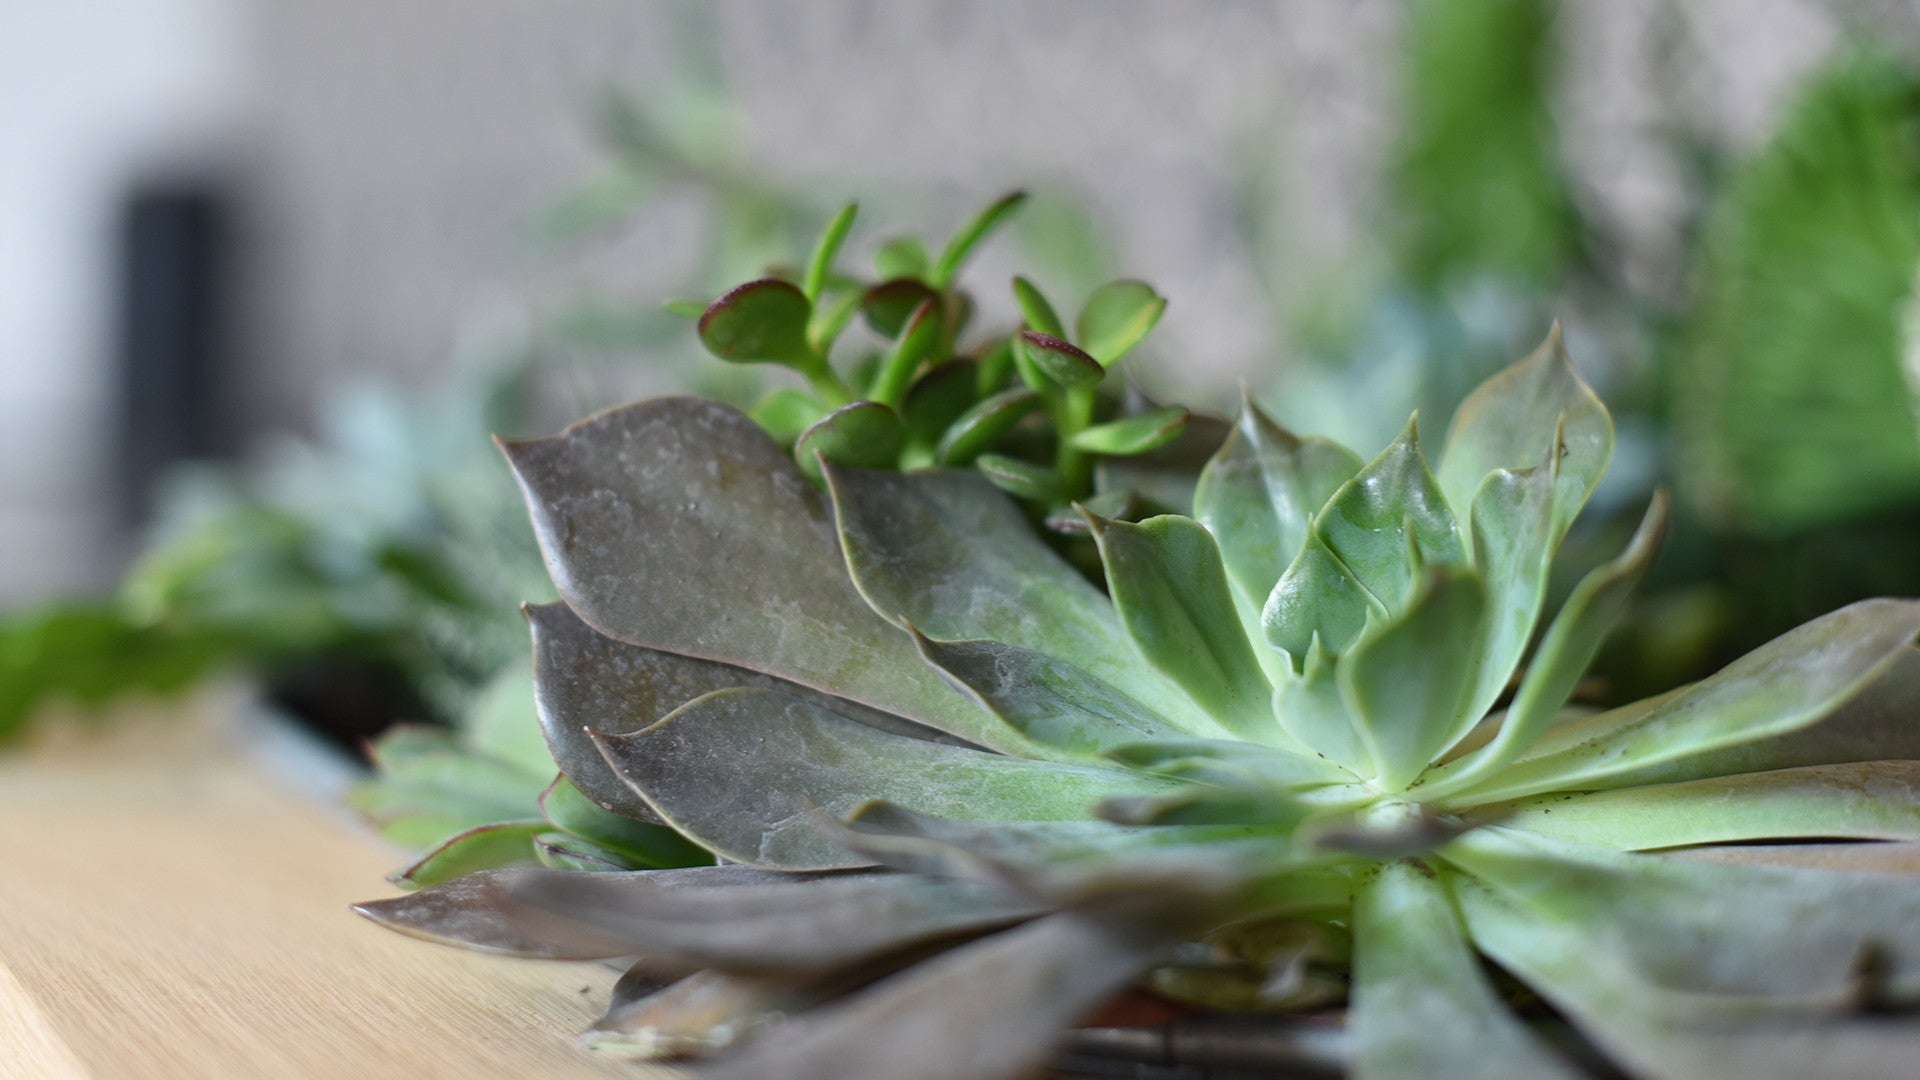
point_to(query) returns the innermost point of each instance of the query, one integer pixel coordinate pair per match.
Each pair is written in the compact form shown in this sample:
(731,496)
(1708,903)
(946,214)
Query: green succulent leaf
(1788,683)
(1512,421)
(1656,1031)
(1034,308)
(1363,553)
(1511,522)
(636,843)
(1714,930)
(1118,316)
(919,335)
(1875,724)
(759,322)
(1422,1006)
(900,257)
(940,396)
(487,847)
(1311,709)
(1023,479)
(1258,494)
(1571,641)
(820,263)
(976,430)
(1170,591)
(889,305)
(1060,361)
(1130,435)
(785,413)
(969,237)
(947,554)
(1405,685)
(746,773)
(1868,800)
(864,434)
(634,507)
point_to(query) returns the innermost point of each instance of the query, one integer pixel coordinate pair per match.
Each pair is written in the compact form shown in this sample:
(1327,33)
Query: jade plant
(1315,741)
(1028,408)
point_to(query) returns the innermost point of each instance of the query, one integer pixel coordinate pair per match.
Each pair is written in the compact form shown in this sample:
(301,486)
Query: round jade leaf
(759,322)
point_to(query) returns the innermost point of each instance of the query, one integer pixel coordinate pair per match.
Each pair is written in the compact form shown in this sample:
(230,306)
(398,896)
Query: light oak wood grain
(168,910)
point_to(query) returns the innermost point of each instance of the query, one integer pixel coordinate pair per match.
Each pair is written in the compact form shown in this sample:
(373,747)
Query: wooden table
(170,907)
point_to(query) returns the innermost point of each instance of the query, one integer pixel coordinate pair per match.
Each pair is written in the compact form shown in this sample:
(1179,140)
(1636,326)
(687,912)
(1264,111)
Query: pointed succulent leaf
(1130,435)
(1050,702)
(889,305)
(1260,491)
(1511,520)
(900,257)
(969,235)
(1868,800)
(976,429)
(1311,708)
(785,413)
(1391,512)
(585,681)
(1511,421)
(1655,1031)
(1035,310)
(1171,593)
(480,911)
(1022,479)
(1575,635)
(1074,863)
(1118,316)
(927,1022)
(822,923)
(1875,724)
(1422,1006)
(428,788)
(919,335)
(1060,361)
(864,434)
(634,509)
(746,773)
(1784,685)
(1714,928)
(1405,685)
(637,843)
(759,322)
(1317,603)
(945,552)
(820,263)
(1202,805)
(489,847)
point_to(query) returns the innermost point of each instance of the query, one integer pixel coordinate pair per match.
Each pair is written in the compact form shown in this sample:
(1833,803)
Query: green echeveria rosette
(1300,749)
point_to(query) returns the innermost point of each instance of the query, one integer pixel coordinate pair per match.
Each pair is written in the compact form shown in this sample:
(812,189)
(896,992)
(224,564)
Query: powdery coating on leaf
(676,524)
(588,681)
(748,773)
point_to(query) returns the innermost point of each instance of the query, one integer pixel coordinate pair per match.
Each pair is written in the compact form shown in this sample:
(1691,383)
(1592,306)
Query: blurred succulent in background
(1299,749)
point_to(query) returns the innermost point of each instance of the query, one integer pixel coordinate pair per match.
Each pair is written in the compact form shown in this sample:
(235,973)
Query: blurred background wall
(385,167)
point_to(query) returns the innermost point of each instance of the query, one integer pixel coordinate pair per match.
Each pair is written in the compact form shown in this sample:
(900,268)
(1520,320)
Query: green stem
(826,383)
(1075,466)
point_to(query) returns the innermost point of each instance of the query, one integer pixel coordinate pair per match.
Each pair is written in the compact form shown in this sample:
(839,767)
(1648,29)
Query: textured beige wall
(398,144)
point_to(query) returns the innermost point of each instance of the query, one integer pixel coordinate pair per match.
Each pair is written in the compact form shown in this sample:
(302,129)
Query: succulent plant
(1298,750)
(1026,408)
